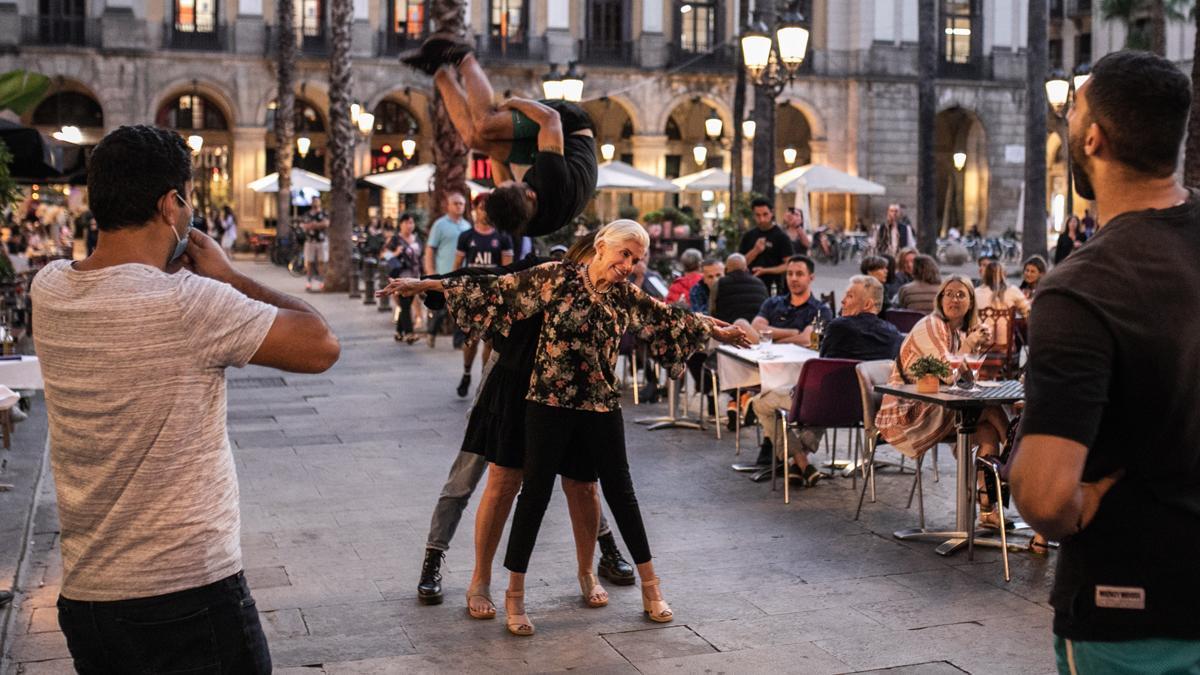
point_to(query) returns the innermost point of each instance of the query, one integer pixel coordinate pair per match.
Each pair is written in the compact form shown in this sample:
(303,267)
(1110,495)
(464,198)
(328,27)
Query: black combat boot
(429,589)
(612,566)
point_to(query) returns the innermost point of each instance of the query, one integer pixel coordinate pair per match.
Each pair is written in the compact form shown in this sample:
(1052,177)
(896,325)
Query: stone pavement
(339,473)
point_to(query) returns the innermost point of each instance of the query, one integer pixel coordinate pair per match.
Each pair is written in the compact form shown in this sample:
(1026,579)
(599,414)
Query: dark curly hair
(509,209)
(131,168)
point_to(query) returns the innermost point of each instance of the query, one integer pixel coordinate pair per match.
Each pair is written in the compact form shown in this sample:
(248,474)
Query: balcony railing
(60,30)
(391,44)
(310,45)
(210,40)
(720,59)
(975,68)
(606,52)
(503,48)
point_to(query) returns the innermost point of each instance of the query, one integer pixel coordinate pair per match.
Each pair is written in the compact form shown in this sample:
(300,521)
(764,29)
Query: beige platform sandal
(593,593)
(485,593)
(518,624)
(658,610)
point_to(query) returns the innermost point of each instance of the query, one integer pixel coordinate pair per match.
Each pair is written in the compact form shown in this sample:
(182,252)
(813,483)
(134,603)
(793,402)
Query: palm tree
(1151,34)
(341,145)
(285,111)
(927,42)
(739,113)
(1037,63)
(449,151)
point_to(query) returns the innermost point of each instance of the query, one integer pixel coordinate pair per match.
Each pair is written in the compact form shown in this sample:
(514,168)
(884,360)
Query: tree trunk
(449,151)
(1033,238)
(927,61)
(1158,27)
(341,146)
(1191,155)
(285,111)
(739,113)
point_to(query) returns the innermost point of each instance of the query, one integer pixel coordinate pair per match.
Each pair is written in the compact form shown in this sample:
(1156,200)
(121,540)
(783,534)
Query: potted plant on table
(929,371)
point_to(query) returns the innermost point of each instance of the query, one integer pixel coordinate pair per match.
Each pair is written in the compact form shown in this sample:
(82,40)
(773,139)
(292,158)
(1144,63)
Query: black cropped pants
(551,433)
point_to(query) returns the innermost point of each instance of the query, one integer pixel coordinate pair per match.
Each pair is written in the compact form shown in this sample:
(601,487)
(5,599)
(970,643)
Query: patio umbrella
(821,178)
(617,176)
(716,180)
(301,179)
(413,180)
(35,157)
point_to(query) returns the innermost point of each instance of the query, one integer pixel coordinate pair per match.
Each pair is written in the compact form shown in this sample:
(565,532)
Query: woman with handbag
(404,262)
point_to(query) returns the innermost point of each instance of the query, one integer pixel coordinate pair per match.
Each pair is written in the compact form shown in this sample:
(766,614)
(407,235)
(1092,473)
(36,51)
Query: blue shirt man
(443,236)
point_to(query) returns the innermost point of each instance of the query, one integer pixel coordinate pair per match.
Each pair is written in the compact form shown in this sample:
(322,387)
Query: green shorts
(1135,657)
(524,145)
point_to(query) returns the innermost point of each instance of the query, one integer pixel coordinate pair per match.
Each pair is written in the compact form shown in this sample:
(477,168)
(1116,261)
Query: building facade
(655,70)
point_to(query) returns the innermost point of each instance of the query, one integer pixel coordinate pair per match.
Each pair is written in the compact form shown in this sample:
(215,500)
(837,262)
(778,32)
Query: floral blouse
(577,348)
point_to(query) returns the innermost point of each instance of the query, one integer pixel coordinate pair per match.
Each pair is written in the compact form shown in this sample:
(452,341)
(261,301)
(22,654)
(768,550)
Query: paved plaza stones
(339,473)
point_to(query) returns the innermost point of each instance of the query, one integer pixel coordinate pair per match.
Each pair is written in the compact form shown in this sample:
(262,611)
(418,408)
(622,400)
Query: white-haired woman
(574,401)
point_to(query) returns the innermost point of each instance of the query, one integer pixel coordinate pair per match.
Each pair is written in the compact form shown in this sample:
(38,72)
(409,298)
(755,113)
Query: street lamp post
(772,51)
(563,86)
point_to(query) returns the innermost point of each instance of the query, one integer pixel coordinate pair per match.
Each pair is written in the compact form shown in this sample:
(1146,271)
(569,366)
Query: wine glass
(975,359)
(956,363)
(765,337)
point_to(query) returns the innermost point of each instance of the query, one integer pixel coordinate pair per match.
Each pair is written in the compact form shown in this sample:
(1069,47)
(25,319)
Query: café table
(968,407)
(773,366)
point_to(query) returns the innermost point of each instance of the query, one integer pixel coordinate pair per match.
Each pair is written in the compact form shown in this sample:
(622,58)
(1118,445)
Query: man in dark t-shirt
(549,147)
(488,248)
(767,248)
(1108,461)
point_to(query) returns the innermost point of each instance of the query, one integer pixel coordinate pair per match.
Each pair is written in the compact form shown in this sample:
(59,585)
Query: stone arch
(308,90)
(664,113)
(212,91)
(962,194)
(816,123)
(417,101)
(61,86)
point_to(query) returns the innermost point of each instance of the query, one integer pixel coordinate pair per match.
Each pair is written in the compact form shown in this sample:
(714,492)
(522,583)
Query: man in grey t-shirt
(133,343)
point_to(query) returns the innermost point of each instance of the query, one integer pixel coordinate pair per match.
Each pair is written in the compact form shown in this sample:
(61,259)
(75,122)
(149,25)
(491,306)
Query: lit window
(195,16)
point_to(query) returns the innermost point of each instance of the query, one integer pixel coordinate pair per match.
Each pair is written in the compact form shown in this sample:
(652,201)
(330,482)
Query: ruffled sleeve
(671,333)
(488,306)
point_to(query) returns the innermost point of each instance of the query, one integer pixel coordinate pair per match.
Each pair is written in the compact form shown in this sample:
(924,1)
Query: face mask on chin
(181,242)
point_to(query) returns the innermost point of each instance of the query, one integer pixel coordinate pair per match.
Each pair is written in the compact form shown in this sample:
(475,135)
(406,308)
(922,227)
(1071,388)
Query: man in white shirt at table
(134,342)
(857,334)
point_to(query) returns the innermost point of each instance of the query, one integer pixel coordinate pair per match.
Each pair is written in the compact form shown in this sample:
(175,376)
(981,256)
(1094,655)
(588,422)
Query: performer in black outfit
(548,146)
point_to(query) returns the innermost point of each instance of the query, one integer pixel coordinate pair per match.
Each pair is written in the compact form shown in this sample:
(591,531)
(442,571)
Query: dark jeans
(405,325)
(209,629)
(551,433)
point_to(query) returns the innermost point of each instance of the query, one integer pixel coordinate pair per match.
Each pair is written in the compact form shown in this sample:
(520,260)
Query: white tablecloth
(23,374)
(775,366)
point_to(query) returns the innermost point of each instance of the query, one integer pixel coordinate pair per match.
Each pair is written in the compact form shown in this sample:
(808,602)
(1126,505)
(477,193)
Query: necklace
(587,281)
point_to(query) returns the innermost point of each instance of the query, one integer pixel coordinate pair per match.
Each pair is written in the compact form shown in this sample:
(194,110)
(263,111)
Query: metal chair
(990,464)
(826,395)
(870,374)
(902,319)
